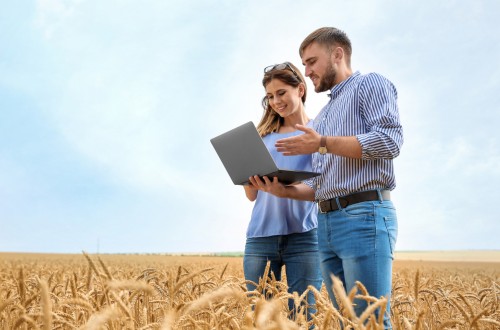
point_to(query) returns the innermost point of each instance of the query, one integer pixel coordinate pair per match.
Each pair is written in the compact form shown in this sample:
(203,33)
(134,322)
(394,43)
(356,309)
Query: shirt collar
(335,91)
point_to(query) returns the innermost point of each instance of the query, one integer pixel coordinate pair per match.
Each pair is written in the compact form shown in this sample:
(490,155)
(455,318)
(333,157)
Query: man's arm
(383,138)
(309,142)
(345,146)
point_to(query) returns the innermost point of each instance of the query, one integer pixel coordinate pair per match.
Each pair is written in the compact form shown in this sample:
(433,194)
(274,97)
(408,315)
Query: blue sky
(107,109)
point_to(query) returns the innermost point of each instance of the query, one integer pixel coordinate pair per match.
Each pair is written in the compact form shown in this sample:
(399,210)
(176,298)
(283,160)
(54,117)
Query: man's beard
(328,81)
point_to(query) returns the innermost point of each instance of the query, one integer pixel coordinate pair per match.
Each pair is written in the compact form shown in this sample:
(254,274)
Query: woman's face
(284,99)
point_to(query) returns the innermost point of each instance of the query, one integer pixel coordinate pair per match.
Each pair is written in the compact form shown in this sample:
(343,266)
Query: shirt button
(319,186)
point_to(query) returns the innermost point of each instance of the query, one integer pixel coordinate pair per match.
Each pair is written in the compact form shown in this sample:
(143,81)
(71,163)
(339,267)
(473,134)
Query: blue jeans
(298,252)
(356,243)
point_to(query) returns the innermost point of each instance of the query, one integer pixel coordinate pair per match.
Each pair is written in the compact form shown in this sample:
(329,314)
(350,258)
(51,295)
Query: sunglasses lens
(270,68)
(280,66)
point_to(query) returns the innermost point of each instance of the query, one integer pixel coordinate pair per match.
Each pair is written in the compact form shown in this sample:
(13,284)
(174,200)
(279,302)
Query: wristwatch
(322,145)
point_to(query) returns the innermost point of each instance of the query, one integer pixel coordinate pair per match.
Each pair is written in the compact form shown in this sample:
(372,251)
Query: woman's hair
(290,75)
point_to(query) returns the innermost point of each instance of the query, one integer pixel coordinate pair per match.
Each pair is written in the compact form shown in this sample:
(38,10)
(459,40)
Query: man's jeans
(298,252)
(356,243)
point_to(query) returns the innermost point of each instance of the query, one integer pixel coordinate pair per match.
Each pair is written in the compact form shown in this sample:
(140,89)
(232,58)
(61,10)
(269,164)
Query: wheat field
(85,291)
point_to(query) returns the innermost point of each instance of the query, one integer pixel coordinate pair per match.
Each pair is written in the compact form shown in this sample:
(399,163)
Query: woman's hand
(273,187)
(251,192)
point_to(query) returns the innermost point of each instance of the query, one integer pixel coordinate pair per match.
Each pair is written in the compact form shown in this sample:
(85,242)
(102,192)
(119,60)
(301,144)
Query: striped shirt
(364,106)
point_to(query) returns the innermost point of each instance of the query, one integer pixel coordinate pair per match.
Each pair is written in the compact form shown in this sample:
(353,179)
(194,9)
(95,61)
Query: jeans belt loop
(338,203)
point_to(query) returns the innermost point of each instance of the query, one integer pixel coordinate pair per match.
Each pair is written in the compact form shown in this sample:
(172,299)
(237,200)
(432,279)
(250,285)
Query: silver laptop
(244,154)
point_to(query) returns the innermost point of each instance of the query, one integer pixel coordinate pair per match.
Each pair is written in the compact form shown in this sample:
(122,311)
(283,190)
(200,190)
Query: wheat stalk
(46,305)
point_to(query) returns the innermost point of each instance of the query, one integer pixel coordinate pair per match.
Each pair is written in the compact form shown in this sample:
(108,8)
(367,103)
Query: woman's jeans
(298,252)
(356,243)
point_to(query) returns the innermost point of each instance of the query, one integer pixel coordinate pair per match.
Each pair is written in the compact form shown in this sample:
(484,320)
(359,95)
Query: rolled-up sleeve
(379,108)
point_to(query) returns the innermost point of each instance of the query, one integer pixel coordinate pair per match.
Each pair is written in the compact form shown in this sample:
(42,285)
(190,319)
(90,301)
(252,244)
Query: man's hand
(302,144)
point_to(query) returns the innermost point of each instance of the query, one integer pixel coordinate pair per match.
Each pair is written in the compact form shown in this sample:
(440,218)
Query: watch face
(322,150)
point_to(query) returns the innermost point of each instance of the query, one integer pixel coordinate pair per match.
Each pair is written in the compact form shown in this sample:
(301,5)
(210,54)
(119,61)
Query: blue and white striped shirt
(364,106)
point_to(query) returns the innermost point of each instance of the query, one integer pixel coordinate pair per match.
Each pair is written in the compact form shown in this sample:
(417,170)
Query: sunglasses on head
(282,66)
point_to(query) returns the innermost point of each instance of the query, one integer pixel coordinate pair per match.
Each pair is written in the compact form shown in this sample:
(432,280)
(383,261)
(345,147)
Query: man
(355,138)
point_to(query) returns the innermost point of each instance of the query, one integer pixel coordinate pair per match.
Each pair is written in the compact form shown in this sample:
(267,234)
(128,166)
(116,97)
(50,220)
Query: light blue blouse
(272,215)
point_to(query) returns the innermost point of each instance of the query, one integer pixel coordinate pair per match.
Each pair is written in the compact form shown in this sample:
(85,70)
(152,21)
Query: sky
(107,109)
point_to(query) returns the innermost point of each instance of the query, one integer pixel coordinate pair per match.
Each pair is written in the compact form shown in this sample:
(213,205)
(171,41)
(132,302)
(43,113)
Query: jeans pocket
(391,225)
(361,211)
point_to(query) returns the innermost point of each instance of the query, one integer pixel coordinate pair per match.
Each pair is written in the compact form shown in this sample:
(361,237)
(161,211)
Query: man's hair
(329,37)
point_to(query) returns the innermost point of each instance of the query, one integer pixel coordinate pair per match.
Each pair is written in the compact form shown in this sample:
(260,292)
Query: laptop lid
(243,154)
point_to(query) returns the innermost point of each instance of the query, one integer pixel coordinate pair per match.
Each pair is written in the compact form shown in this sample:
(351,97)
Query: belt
(330,205)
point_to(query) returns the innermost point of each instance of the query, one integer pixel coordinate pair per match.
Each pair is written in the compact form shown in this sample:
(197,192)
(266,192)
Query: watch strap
(322,142)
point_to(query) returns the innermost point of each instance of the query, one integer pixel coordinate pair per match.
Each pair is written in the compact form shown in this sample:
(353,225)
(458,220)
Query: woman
(283,231)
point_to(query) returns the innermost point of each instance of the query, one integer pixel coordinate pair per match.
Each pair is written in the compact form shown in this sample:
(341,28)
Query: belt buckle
(319,207)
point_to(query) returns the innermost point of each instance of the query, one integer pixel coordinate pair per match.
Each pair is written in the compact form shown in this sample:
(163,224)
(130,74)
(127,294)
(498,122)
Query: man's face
(317,60)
